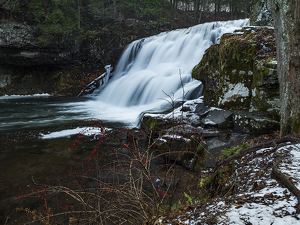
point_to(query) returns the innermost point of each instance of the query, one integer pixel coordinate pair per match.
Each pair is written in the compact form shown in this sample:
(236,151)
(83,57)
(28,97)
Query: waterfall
(153,68)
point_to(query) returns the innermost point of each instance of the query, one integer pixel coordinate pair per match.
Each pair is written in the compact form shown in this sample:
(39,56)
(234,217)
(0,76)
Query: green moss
(216,67)
(238,59)
(265,86)
(209,62)
(228,152)
(152,123)
(260,104)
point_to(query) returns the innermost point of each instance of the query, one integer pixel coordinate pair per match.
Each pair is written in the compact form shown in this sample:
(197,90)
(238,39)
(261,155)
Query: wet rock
(164,185)
(254,123)
(184,129)
(221,119)
(201,109)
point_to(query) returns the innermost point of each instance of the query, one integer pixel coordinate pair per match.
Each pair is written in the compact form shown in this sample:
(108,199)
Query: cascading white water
(152,67)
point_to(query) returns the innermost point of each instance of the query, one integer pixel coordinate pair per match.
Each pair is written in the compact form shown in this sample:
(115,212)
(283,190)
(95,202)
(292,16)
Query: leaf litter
(255,196)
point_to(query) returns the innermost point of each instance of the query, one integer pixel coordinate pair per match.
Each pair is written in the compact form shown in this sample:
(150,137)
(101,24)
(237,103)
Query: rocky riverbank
(253,191)
(256,184)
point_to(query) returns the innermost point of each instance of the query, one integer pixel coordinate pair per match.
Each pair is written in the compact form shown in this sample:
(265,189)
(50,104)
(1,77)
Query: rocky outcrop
(240,74)
(35,80)
(186,142)
(19,46)
(30,65)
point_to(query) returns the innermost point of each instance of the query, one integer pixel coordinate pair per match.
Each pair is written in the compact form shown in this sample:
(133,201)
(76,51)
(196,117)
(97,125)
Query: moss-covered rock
(265,88)
(241,72)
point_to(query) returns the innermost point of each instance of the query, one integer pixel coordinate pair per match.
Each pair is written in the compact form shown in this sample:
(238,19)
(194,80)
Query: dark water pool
(36,136)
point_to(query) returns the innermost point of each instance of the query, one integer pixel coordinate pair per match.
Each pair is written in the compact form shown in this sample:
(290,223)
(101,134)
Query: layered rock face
(19,46)
(240,74)
(29,65)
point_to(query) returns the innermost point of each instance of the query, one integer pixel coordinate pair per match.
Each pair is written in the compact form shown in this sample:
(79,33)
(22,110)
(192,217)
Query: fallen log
(287,183)
(246,151)
(98,82)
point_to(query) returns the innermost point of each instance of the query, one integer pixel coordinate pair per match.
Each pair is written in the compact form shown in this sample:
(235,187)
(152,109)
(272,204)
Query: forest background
(72,17)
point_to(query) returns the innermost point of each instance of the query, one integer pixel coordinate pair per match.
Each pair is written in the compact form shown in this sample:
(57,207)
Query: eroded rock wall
(29,65)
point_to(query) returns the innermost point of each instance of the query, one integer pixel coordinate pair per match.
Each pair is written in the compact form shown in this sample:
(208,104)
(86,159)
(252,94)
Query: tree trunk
(175,4)
(202,7)
(115,8)
(200,15)
(79,13)
(286,15)
(196,8)
(215,11)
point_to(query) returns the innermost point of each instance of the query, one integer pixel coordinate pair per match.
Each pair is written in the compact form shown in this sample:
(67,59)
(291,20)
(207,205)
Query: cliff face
(19,46)
(29,66)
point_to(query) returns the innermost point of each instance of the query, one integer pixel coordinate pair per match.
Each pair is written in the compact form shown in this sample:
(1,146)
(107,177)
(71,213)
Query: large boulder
(241,73)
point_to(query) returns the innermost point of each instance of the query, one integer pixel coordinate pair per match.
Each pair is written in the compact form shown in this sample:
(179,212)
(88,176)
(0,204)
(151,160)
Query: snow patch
(234,90)
(24,96)
(88,131)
